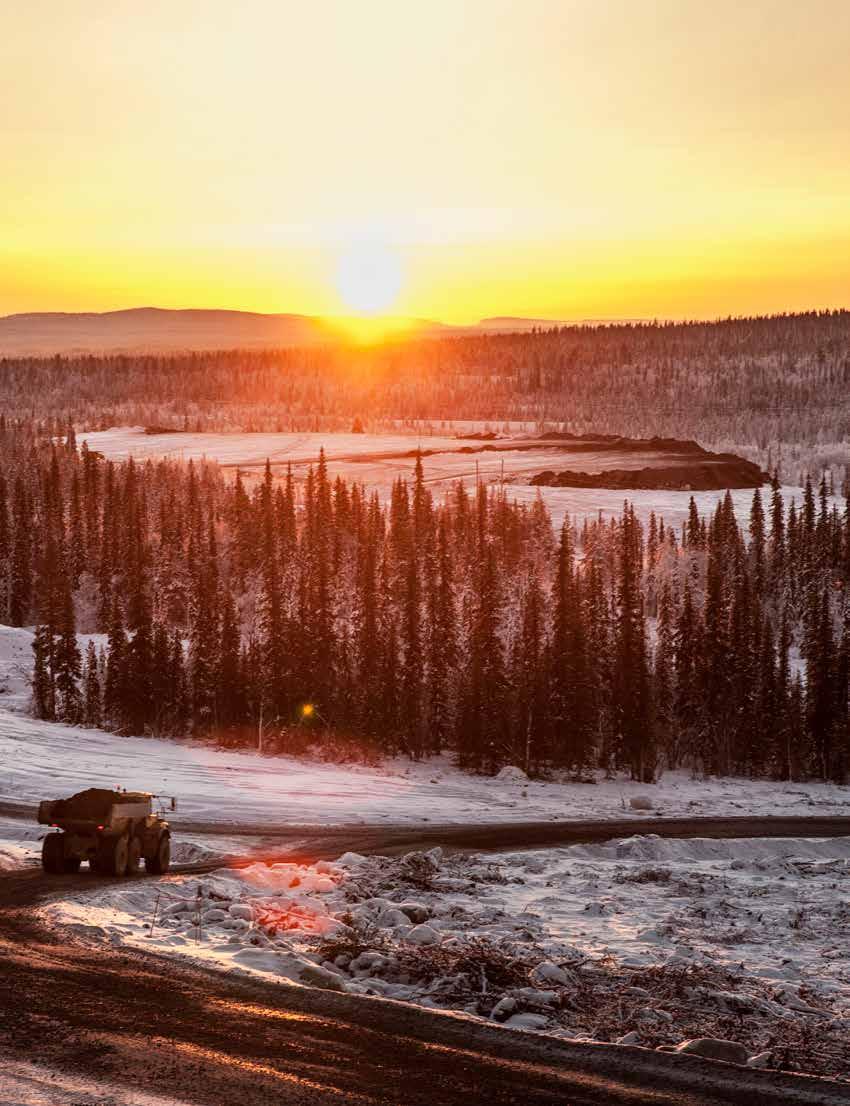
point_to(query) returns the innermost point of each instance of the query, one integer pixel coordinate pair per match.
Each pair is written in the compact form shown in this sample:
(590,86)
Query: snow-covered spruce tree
(92,700)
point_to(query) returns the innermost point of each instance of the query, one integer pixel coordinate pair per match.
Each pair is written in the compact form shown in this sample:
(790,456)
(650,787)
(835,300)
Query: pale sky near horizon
(563,159)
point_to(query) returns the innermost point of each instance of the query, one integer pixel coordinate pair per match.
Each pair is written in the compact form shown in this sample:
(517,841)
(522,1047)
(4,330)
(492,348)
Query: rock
(631,1038)
(176,908)
(452,883)
(423,935)
(351,860)
(713,1048)
(640,802)
(416,911)
(317,976)
(387,919)
(503,1008)
(548,972)
(527,1021)
(367,961)
(511,773)
(213,915)
(241,910)
(536,997)
(760,1060)
(332,927)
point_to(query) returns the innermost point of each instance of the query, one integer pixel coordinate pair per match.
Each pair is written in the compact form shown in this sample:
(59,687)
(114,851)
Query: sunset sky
(555,158)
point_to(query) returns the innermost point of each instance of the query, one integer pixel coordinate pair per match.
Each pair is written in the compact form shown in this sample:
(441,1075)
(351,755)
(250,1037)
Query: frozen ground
(657,941)
(24,1084)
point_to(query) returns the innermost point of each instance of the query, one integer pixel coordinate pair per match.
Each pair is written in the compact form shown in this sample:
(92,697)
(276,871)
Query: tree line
(776,388)
(290,615)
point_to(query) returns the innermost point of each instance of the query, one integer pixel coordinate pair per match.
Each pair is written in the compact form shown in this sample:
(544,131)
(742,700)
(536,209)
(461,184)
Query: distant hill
(159,330)
(153,329)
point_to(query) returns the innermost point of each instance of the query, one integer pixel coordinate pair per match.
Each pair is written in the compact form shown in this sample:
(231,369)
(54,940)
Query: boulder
(351,860)
(631,1038)
(368,961)
(387,919)
(415,911)
(527,1021)
(317,976)
(641,802)
(511,774)
(549,972)
(503,1008)
(423,935)
(714,1048)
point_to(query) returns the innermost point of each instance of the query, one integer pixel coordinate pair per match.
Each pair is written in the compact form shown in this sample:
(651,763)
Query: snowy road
(161,1027)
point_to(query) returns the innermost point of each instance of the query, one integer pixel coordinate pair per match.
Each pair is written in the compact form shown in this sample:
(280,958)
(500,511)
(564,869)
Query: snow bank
(657,942)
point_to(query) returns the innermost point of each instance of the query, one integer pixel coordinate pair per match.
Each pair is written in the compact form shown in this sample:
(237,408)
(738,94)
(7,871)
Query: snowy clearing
(377,460)
(655,941)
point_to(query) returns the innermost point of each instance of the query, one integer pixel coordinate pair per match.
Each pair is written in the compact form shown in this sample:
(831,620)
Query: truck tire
(112,856)
(53,853)
(159,863)
(134,856)
(71,864)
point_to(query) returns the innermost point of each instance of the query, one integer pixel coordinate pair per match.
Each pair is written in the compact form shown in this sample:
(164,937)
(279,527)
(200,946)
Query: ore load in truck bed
(94,804)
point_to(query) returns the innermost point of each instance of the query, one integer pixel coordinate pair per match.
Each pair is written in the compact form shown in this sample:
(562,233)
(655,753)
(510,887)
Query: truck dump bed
(96,805)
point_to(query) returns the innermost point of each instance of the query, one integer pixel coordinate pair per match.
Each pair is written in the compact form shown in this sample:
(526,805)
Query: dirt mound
(685,466)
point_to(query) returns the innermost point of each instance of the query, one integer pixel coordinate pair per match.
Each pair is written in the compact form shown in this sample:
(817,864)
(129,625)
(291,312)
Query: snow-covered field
(377,460)
(653,940)
(41,760)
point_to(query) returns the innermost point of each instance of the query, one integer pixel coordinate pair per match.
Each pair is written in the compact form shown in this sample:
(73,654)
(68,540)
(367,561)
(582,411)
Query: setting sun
(368,278)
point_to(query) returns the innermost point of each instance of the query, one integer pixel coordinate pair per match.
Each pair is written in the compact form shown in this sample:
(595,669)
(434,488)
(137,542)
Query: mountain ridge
(161,329)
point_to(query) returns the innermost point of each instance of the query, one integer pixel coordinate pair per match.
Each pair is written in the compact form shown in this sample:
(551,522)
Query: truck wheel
(134,856)
(53,853)
(112,856)
(159,863)
(71,864)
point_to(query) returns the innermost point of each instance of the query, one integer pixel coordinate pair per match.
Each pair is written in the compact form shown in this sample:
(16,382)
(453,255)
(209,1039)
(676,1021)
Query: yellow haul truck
(113,830)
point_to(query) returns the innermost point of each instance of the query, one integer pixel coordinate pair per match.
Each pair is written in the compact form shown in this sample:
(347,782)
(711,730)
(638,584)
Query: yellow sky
(561,158)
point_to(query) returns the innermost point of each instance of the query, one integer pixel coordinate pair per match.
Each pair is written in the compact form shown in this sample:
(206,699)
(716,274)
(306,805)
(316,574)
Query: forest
(312,617)
(776,389)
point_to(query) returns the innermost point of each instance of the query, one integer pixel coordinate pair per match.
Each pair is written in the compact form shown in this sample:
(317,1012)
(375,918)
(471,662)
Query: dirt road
(209,1039)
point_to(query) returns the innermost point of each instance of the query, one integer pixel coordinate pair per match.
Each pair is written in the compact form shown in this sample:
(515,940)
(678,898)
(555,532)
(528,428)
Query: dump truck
(113,830)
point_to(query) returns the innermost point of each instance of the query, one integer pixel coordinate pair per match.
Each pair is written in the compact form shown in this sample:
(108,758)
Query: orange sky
(560,158)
